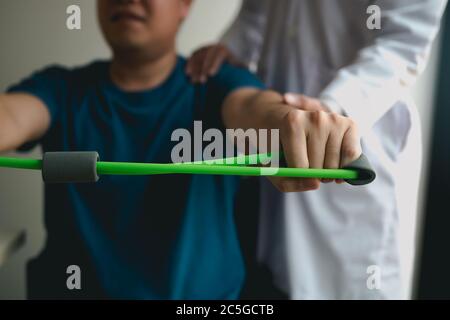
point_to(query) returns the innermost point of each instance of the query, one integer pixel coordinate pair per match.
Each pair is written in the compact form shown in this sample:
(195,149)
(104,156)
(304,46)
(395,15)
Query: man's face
(141,24)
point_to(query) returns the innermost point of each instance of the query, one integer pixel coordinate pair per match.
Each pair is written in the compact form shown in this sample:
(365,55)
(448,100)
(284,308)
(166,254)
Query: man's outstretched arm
(310,139)
(23,118)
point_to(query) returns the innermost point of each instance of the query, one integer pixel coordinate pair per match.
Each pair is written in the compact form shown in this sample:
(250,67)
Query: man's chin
(128,45)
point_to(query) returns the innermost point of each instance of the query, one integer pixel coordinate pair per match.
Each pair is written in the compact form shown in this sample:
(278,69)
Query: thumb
(293,99)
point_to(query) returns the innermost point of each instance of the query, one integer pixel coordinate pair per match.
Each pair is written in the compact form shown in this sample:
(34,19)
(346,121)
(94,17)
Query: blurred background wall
(33,34)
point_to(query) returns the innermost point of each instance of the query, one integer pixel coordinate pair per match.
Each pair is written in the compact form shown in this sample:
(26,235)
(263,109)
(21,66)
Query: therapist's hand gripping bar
(86,167)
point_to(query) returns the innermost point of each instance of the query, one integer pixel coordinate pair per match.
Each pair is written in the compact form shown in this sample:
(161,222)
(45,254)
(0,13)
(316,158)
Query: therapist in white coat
(339,242)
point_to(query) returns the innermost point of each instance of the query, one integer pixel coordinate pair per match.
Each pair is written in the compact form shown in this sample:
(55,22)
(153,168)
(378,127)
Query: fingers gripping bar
(85,167)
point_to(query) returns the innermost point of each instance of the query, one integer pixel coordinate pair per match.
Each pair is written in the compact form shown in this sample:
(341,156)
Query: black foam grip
(70,167)
(366,174)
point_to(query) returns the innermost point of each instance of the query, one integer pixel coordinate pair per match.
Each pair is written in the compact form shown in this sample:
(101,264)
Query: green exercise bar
(125,168)
(238,166)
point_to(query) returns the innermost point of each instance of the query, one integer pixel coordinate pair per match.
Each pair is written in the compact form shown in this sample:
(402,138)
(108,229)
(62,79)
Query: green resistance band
(67,167)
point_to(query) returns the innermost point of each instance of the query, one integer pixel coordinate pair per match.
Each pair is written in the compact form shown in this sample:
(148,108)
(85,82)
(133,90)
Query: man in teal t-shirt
(160,237)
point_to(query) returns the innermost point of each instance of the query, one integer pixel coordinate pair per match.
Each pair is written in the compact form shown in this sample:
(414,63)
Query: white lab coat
(322,244)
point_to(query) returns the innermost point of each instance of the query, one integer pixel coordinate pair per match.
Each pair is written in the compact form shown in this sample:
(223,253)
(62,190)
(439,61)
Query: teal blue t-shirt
(150,237)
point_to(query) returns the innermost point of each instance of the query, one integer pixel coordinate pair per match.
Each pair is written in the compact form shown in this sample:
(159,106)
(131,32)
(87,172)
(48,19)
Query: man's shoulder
(228,70)
(62,74)
(89,72)
(235,77)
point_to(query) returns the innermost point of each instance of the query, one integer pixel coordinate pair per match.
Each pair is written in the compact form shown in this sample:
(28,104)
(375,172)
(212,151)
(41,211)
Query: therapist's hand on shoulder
(206,62)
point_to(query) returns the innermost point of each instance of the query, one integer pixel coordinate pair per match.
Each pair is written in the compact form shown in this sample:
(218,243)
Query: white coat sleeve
(246,34)
(384,71)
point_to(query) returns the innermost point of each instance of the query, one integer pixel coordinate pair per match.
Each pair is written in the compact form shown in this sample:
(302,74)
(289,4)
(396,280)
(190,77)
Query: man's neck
(136,74)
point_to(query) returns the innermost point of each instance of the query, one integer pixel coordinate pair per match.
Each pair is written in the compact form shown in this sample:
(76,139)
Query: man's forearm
(258,110)
(23,118)
(4,124)
(6,128)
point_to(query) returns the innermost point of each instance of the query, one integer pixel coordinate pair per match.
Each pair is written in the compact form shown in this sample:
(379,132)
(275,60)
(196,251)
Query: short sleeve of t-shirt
(50,86)
(227,80)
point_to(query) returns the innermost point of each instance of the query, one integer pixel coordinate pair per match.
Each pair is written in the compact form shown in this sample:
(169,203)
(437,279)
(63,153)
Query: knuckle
(317,117)
(293,120)
(335,118)
(352,123)
(351,152)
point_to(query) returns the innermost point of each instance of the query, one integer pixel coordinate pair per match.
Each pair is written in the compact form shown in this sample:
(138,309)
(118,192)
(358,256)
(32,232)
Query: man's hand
(206,62)
(316,139)
(310,139)
(306,103)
